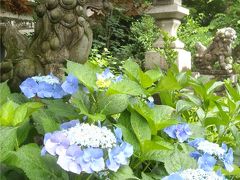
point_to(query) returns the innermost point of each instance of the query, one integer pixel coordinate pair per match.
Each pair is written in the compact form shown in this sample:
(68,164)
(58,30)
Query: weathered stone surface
(164,2)
(219,51)
(62,32)
(153,59)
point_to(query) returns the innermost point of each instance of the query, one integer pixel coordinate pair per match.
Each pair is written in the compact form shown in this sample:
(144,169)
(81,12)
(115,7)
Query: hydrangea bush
(139,125)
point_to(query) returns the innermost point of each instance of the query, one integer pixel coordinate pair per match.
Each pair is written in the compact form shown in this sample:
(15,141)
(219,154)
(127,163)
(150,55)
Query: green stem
(137,165)
(89,177)
(148,164)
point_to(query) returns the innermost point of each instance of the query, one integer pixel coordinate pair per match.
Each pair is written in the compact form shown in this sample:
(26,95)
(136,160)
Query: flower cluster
(48,86)
(207,154)
(180,132)
(105,79)
(195,174)
(89,148)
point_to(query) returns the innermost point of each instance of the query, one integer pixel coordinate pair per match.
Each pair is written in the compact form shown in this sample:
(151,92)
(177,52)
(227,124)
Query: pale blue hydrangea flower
(180,132)
(119,156)
(70,86)
(207,152)
(150,102)
(206,162)
(194,174)
(48,87)
(89,148)
(29,87)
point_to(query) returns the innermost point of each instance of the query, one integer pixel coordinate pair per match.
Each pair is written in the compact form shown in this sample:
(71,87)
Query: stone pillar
(168,14)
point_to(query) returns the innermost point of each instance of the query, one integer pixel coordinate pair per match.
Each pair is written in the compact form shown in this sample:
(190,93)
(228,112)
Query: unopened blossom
(105,79)
(150,102)
(180,132)
(194,174)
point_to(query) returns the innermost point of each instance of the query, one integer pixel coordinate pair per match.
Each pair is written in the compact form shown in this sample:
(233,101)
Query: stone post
(168,14)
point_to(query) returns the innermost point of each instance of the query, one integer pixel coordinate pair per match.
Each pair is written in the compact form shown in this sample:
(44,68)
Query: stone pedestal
(168,14)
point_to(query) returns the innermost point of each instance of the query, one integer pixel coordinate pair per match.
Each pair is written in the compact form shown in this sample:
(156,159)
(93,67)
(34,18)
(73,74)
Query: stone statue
(62,32)
(219,51)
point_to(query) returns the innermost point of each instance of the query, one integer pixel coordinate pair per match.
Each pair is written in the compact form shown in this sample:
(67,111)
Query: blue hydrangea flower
(118,78)
(55,143)
(68,161)
(180,132)
(92,160)
(69,124)
(150,102)
(206,162)
(119,156)
(174,176)
(58,92)
(227,158)
(106,74)
(118,133)
(87,147)
(70,86)
(29,87)
(207,152)
(45,90)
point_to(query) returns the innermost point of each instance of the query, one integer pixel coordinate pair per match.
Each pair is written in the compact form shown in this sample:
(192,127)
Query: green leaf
(112,104)
(156,155)
(145,80)
(154,74)
(8,141)
(29,159)
(179,160)
(146,177)
(183,105)
(143,109)
(126,87)
(193,99)
(86,73)
(23,112)
(162,116)
(132,70)
(125,172)
(130,137)
(4,92)
(214,86)
(214,120)
(234,93)
(61,109)
(44,121)
(168,83)
(140,127)
(150,145)
(7,112)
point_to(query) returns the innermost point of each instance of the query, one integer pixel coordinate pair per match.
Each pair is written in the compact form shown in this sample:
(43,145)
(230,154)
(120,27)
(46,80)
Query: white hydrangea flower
(91,136)
(211,148)
(200,174)
(50,79)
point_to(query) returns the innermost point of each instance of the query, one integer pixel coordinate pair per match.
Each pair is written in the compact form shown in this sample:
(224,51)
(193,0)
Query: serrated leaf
(125,172)
(130,137)
(179,160)
(140,127)
(132,69)
(7,112)
(44,121)
(214,86)
(28,158)
(86,73)
(183,105)
(156,155)
(61,109)
(126,87)
(4,92)
(23,112)
(150,145)
(112,104)
(8,141)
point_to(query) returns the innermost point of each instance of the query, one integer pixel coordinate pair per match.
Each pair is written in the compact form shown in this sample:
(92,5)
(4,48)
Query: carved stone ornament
(62,32)
(219,51)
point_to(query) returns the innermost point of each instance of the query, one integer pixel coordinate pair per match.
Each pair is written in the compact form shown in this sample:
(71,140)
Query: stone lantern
(168,15)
